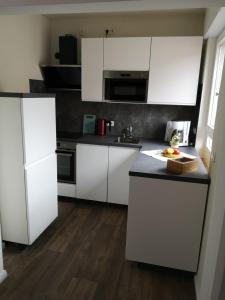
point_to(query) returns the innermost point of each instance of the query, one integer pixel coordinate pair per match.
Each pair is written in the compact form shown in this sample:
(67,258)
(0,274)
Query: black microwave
(126,86)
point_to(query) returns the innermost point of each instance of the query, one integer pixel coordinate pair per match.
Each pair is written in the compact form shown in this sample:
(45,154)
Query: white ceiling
(99,6)
(9,3)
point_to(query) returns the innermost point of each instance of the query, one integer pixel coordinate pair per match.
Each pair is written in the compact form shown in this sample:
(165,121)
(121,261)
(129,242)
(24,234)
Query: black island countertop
(149,167)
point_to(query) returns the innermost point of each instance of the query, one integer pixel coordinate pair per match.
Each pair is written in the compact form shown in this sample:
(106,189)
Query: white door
(120,162)
(41,195)
(39,128)
(91,172)
(130,53)
(174,70)
(92,69)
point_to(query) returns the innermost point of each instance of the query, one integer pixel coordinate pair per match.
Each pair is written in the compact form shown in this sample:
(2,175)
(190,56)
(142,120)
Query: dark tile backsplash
(148,121)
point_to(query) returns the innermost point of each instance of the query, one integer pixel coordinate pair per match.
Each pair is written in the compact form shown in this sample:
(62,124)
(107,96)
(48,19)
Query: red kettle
(101,127)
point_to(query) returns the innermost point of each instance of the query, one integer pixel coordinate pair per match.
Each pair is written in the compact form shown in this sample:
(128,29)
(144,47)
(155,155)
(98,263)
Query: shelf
(56,66)
(63,89)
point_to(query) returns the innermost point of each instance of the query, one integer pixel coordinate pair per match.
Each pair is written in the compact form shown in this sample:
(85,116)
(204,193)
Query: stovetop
(68,136)
(67,140)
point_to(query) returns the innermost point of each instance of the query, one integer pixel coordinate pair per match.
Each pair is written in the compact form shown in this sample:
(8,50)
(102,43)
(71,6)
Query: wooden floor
(81,257)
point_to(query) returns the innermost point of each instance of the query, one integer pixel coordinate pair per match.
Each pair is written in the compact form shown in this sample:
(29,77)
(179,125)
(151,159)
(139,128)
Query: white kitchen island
(165,213)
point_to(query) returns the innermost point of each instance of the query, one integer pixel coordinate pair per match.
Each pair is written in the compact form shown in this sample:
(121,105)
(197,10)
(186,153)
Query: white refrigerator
(28,168)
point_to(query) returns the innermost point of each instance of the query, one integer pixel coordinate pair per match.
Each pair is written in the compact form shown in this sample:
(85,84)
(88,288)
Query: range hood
(62,77)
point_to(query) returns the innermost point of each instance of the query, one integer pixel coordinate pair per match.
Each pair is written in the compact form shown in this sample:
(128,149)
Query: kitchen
(148,122)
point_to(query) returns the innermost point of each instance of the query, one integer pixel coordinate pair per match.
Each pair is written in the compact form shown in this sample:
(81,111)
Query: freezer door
(41,195)
(39,128)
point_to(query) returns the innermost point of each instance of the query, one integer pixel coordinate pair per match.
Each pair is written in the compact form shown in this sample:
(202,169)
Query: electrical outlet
(81,33)
(109,31)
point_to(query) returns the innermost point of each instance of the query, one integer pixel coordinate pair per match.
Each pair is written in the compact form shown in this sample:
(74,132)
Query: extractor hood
(62,77)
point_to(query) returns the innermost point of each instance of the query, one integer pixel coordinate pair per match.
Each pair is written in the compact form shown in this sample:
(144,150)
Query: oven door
(66,166)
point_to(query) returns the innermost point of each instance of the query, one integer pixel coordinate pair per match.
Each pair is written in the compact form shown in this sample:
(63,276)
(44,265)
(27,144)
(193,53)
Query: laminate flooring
(81,256)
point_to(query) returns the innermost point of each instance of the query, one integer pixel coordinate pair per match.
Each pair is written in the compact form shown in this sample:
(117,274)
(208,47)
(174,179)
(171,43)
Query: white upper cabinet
(174,70)
(130,53)
(92,69)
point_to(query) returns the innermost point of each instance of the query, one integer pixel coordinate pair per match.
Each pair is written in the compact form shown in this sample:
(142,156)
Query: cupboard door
(131,53)
(120,162)
(165,221)
(41,190)
(92,69)
(39,128)
(91,172)
(174,70)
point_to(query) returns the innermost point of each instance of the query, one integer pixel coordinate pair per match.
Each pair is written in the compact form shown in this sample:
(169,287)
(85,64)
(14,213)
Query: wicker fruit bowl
(182,165)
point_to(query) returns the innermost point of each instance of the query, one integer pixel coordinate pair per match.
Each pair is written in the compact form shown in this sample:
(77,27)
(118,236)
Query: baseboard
(3,275)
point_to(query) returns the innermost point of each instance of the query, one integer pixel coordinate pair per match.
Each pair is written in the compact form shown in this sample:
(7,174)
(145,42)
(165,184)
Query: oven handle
(64,154)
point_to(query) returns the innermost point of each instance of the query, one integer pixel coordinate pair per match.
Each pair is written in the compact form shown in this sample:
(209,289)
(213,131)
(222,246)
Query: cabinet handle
(65,154)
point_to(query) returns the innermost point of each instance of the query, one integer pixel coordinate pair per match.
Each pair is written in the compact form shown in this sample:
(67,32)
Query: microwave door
(126,90)
(126,86)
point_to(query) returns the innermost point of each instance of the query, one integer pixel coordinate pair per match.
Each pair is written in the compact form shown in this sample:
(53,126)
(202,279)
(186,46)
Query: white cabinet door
(92,69)
(41,189)
(174,70)
(120,162)
(39,128)
(91,172)
(130,53)
(165,220)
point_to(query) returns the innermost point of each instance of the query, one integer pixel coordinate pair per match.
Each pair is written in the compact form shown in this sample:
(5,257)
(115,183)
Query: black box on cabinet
(67,54)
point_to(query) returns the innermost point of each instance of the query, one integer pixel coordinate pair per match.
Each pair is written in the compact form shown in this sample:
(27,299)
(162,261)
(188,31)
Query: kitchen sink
(126,140)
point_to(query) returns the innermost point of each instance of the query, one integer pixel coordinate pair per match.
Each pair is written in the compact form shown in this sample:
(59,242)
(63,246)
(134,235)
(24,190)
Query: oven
(126,86)
(66,162)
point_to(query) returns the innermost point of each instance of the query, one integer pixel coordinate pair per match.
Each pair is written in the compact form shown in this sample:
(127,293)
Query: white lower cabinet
(103,172)
(92,172)
(120,162)
(165,221)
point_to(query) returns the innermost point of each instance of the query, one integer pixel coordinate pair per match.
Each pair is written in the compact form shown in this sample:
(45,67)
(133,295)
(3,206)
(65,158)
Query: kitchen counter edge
(148,167)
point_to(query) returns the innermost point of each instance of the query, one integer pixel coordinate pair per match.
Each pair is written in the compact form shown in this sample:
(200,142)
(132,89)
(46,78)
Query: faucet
(129,132)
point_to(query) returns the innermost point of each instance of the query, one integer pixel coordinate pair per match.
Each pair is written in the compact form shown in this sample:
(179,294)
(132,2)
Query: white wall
(209,279)
(3,273)
(24,44)
(211,259)
(129,24)
(210,15)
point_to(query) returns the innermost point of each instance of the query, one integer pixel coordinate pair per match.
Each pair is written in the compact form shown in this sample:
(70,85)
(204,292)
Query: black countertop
(146,166)
(106,141)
